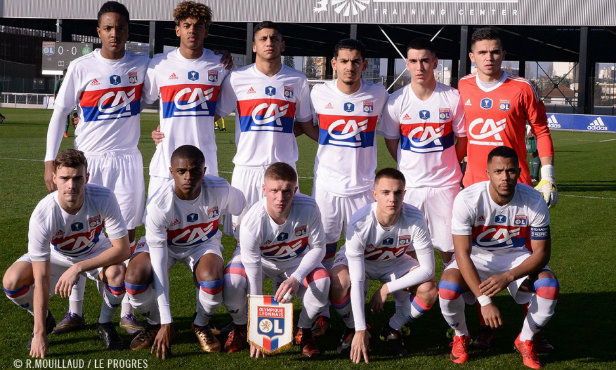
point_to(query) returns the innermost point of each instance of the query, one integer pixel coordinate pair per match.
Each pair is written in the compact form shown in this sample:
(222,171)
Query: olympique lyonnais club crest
(270,324)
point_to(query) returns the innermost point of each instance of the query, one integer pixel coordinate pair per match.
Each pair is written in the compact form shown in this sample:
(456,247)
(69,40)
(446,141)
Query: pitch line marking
(605,141)
(586,197)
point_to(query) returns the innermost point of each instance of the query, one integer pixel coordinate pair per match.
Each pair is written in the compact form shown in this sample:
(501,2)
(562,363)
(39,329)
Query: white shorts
(60,263)
(436,205)
(493,263)
(278,271)
(188,256)
(384,271)
(122,172)
(336,210)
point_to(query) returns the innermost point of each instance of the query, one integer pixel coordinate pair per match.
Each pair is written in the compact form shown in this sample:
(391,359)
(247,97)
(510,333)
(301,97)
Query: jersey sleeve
(250,251)
(115,226)
(354,247)
(39,236)
(65,101)
(459,119)
(536,116)
(156,226)
(316,242)
(235,201)
(539,220)
(150,86)
(462,219)
(389,127)
(227,99)
(303,110)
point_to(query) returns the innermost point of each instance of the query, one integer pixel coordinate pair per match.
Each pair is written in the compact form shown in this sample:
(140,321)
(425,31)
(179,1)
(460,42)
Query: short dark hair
(390,173)
(265,24)
(421,43)
(281,171)
(192,9)
(503,151)
(113,7)
(486,33)
(71,158)
(188,152)
(350,44)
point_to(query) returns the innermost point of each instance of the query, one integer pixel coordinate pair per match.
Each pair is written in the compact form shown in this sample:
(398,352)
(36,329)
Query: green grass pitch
(583,250)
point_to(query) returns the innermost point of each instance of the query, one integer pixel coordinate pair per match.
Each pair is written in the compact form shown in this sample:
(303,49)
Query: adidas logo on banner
(552,122)
(95,82)
(597,125)
(251,91)
(468,102)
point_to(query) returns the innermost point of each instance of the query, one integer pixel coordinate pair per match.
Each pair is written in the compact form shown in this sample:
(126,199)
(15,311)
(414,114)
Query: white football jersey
(497,228)
(264,239)
(367,239)
(107,93)
(188,90)
(346,158)
(266,108)
(427,131)
(176,223)
(75,236)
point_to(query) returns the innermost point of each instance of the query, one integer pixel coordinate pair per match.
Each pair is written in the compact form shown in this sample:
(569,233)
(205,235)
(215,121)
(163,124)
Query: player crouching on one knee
(181,226)
(66,240)
(377,240)
(281,237)
(495,225)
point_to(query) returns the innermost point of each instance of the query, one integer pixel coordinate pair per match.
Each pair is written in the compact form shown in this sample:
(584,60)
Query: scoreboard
(58,55)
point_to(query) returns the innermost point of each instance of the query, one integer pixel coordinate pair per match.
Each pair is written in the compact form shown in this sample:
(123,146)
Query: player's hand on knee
(360,346)
(287,290)
(157,135)
(494,284)
(66,282)
(256,352)
(38,348)
(162,342)
(377,303)
(491,316)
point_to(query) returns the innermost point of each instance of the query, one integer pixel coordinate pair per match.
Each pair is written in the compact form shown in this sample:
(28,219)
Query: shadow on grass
(587,186)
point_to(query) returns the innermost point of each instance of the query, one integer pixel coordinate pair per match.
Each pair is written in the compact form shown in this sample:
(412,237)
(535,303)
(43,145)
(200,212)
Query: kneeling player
(494,224)
(181,226)
(377,239)
(66,240)
(281,237)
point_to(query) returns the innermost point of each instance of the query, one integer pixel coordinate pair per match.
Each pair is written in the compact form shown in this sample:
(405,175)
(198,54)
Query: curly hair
(192,9)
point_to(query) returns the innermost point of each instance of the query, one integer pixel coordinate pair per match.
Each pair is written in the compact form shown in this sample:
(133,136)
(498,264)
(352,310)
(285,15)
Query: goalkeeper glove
(547,185)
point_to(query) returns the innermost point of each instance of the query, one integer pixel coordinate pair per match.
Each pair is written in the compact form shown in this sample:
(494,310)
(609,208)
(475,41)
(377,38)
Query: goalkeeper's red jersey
(497,116)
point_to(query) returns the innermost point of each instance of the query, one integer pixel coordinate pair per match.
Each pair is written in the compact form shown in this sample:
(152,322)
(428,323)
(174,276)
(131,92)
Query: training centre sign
(270,324)
(444,12)
(581,122)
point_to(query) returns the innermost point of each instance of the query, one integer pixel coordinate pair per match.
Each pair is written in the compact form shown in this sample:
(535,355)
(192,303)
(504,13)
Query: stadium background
(566,57)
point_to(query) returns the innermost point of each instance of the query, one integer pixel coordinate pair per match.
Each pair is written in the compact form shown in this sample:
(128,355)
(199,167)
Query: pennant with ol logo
(270,324)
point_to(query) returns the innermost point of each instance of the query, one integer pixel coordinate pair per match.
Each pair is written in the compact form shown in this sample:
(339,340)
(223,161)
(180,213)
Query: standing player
(187,80)
(347,110)
(268,97)
(66,240)
(377,239)
(495,223)
(497,106)
(181,226)
(281,237)
(423,126)
(105,85)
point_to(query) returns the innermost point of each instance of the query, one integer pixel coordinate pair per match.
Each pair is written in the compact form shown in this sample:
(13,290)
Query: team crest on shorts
(504,105)
(288,92)
(444,114)
(404,240)
(132,77)
(300,230)
(94,221)
(368,106)
(213,212)
(270,324)
(212,75)
(520,220)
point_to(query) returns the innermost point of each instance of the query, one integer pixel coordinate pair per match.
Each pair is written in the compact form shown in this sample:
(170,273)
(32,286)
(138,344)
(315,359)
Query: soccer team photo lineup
(325,223)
